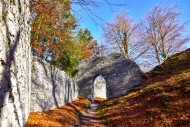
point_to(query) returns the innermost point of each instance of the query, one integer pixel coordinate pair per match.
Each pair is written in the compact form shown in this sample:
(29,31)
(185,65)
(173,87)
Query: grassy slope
(64,116)
(163,99)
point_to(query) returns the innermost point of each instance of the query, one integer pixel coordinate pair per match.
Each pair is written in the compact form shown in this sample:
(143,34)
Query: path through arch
(99,87)
(121,74)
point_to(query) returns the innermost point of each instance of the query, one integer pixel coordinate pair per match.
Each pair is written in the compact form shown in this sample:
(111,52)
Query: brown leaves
(162,100)
(86,52)
(64,116)
(50,27)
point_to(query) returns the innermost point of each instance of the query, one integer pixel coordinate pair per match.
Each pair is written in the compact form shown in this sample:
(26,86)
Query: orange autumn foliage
(86,52)
(63,116)
(51,26)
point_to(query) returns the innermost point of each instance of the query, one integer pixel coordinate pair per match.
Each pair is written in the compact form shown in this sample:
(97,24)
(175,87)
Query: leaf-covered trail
(88,118)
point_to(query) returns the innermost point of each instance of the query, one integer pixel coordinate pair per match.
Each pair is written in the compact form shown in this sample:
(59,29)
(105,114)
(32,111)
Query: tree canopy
(163,33)
(57,38)
(53,35)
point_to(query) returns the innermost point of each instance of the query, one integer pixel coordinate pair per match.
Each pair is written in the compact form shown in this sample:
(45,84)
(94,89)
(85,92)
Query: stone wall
(51,87)
(120,75)
(15,62)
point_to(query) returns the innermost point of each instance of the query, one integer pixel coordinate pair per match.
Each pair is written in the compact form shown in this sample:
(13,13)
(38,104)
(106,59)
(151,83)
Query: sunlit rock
(15,63)
(120,75)
(51,87)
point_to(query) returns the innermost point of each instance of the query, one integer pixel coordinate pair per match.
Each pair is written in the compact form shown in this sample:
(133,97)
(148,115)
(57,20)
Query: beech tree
(162,33)
(52,23)
(121,34)
(52,35)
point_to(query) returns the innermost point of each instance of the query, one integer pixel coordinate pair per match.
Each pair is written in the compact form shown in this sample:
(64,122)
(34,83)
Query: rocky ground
(88,118)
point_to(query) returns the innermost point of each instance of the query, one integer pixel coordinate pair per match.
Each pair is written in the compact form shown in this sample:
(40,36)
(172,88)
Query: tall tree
(84,36)
(51,26)
(87,42)
(162,32)
(121,33)
(80,47)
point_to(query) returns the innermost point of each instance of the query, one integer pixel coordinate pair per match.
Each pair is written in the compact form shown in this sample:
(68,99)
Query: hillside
(163,99)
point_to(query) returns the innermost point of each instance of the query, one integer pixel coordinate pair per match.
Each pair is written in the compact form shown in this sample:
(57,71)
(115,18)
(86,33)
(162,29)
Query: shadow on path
(88,118)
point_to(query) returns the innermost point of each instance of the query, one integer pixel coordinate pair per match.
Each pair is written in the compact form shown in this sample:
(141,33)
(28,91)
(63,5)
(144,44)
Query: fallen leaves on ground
(162,100)
(64,116)
(99,99)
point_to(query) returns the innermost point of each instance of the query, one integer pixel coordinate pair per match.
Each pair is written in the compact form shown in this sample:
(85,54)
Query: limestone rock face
(15,62)
(120,74)
(51,87)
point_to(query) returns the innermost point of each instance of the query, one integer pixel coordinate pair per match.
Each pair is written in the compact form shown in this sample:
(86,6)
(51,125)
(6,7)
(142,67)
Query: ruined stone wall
(51,87)
(15,63)
(120,74)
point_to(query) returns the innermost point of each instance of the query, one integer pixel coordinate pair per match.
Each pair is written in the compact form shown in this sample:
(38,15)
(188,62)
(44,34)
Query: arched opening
(99,87)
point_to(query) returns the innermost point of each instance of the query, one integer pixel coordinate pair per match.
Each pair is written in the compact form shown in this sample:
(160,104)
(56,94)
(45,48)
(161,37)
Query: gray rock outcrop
(51,87)
(15,62)
(120,74)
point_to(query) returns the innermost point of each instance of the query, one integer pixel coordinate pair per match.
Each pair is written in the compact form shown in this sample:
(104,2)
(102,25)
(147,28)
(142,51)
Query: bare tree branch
(122,32)
(163,32)
(87,4)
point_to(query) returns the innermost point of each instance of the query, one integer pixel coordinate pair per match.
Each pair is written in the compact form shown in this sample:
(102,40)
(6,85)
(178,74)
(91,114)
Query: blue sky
(137,9)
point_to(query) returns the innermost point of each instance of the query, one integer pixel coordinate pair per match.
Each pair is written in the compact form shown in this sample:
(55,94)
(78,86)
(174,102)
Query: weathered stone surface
(51,87)
(120,74)
(15,62)
(15,70)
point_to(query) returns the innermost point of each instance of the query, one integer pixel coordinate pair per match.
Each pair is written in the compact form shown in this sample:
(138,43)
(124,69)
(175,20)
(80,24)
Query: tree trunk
(157,55)
(125,45)
(15,62)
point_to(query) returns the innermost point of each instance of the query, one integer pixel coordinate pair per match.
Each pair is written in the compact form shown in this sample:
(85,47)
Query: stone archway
(120,74)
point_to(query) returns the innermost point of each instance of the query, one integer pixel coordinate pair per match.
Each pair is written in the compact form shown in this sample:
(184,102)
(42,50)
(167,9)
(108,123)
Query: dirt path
(89,118)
